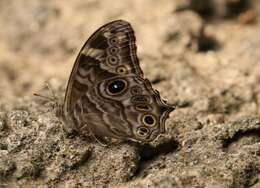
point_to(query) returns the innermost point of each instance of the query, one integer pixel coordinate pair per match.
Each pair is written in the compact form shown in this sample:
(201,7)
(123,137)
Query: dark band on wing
(86,61)
(99,42)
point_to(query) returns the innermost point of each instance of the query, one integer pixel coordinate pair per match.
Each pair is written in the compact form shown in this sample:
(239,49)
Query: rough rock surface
(203,56)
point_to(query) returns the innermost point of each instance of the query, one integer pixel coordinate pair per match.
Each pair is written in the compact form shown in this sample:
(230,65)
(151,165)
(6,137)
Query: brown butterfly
(107,95)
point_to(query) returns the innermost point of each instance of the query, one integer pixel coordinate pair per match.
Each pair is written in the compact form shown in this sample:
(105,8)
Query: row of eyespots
(112,58)
(141,104)
(148,120)
(112,51)
(118,86)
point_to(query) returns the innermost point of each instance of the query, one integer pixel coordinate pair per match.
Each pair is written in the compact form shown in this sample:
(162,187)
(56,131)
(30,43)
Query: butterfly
(107,94)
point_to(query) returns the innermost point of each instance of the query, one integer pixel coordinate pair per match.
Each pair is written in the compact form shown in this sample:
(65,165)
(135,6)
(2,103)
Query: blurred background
(202,55)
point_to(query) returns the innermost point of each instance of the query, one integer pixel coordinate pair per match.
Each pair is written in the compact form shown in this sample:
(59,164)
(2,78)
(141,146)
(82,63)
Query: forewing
(110,51)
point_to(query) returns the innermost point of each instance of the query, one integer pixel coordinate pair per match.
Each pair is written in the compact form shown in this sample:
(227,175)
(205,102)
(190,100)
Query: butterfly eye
(149,120)
(142,131)
(116,87)
(121,70)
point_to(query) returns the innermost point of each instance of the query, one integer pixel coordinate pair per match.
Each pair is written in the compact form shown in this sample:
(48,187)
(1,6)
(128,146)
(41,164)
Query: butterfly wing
(111,48)
(105,79)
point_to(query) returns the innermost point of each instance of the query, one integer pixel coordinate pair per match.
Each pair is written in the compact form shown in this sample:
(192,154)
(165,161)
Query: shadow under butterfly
(107,95)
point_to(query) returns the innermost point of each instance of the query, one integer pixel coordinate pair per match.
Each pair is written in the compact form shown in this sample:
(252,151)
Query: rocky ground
(203,56)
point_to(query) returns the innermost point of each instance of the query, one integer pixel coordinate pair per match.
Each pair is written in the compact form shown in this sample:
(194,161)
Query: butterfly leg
(98,139)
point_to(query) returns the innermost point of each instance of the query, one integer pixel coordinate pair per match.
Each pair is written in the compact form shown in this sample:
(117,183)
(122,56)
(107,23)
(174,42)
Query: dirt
(203,57)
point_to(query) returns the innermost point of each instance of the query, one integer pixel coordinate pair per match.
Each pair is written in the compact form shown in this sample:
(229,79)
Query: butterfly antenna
(53,96)
(44,97)
(51,90)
